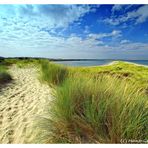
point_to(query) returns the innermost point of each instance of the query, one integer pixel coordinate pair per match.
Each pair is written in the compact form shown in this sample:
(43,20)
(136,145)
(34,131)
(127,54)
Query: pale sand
(20,103)
(115,62)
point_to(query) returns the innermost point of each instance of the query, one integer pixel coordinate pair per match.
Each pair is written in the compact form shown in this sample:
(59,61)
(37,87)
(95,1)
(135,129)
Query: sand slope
(20,103)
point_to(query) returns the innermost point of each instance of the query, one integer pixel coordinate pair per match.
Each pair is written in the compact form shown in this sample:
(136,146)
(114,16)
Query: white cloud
(25,36)
(51,16)
(114,33)
(124,41)
(86,30)
(30,41)
(117,8)
(141,15)
(121,7)
(41,44)
(137,16)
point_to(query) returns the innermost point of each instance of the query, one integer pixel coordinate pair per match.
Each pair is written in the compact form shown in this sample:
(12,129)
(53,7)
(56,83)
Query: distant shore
(110,61)
(114,62)
(70,59)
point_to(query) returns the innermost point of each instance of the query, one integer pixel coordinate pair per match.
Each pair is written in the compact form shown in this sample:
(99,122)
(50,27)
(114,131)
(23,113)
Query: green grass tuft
(5,77)
(20,62)
(53,73)
(106,110)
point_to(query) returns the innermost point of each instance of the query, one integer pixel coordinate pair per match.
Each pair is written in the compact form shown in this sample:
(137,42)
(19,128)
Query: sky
(74,31)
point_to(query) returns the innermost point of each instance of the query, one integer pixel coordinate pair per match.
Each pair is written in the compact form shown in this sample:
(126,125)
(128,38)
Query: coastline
(75,60)
(115,62)
(100,65)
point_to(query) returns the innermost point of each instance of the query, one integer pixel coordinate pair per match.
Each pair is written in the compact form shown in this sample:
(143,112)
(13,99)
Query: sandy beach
(20,103)
(115,62)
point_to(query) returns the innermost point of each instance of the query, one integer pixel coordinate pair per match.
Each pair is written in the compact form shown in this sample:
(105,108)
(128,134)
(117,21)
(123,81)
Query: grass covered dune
(4,74)
(95,104)
(98,104)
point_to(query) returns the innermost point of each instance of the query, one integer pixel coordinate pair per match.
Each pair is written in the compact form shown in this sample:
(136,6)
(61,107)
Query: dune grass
(104,111)
(20,62)
(100,104)
(96,105)
(132,72)
(5,77)
(53,73)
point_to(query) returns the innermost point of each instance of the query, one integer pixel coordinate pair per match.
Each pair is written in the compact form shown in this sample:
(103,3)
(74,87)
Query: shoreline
(111,62)
(105,64)
(115,62)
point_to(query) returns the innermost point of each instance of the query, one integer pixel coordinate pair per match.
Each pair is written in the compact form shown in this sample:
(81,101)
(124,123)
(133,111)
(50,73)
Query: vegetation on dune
(132,72)
(99,104)
(96,104)
(20,62)
(4,75)
(53,73)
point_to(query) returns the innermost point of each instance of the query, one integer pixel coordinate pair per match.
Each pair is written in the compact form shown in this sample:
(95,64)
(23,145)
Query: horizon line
(68,59)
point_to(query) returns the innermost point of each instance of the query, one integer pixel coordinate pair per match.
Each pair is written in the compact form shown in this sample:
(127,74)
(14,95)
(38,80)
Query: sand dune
(20,102)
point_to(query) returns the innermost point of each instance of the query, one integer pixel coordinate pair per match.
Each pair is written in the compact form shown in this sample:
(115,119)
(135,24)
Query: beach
(21,101)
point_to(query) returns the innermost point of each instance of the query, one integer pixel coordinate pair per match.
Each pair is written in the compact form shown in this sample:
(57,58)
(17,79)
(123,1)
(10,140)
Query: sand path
(20,103)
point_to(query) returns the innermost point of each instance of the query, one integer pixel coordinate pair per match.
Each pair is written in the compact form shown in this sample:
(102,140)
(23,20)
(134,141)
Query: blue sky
(74,31)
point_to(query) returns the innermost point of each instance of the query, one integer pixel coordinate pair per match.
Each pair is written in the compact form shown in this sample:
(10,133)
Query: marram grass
(102,110)
(52,73)
(5,77)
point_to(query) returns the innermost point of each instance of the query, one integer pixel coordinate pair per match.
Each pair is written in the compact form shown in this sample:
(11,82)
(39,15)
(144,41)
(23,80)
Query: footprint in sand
(20,103)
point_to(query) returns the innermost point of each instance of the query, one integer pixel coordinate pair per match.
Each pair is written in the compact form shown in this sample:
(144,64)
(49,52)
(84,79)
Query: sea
(98,62)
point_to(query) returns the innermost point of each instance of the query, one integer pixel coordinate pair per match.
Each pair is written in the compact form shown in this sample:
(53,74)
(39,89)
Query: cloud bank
(37,30)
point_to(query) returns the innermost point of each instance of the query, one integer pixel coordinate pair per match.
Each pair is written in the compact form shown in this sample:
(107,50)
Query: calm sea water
(98,62)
